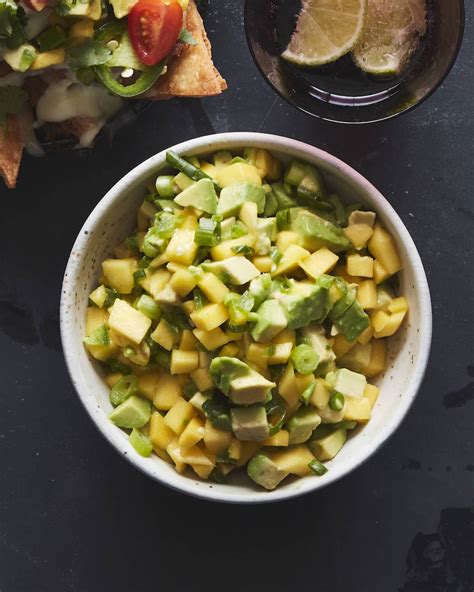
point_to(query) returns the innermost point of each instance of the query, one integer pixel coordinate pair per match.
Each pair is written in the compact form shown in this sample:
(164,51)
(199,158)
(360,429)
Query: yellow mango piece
(367,294)
(184,362)
(321,261)
(281,353)
(385,324)
(358,234)
(216,441)
(128,321)
(192,434)
(188,307)
(235,449)
(263,263)
(230,350)
(159,261)
(378,359)
(264,163)
(210,316)
(183,281)
(286,238)
(211,340)
(291,260)
(357,409)
(173,267)
(95,318)
(288,388)
(95,10)
(159,433)
(213,288)
(179,416)
(202,471)
(294,460)
(321,394)
(234,336)
(119,274)
(398,305)
(380,273)
(49,58)
(371,392)
(148,382)
(202,379)
(82,29)
(249,449)
(112,379)
(164,335)
(239,172)
(281,438)
(257,354)
(285,336)
(188,456)
(167,392)
(360,266)
(156,282)
(341,345)
(188,341)
(224,249)
(366,336)
(382,247)
(182,247)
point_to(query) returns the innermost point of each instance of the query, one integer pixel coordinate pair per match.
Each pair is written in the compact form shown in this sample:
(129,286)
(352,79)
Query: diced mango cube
(154,283)
(184,361)
(128,321)
(380,273)
(366,336)
(360,266)
(147,383)
(281,438)
(164,335)
(291,260)
(183,281)
(202,379)
(288,388)
(210,316)
(216,441)
(371,392)
(188,341)
(230,350)
(341,345)
(213,288)
(398,305)
(358,234)
(192,434)
(367,294)
(179,416)
(321,261)
(382,247)
(211,340)
(286,238)
(294,460)
(285,336)
(378,359)
(357,409)
(224,249)
(385,324)
(119,274)
(167,392)
(160,434)
(182,247)
(263,263)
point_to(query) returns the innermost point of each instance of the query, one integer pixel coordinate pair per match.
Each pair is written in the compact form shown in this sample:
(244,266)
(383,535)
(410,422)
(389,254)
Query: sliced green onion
(186,167)
(199,299)
(132,244)
(317,467)
(305,359)
(149,307)
(345,424)
(176,319)
(337,401)
(276,415)
(243,250)
(138,276)
(217,477)
(153,243)
(129,351)
(123,389)
(238,230)
(275,255)
(145,262)
(236,328)
(99,336)
(162,357)
(208,233)
(111,297)
(115,365)
(189,389)
(217,412)
(140,442)
(308,393)
(164,186)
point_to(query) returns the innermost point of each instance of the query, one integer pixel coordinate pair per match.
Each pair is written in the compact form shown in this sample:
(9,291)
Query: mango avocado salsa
(239,324)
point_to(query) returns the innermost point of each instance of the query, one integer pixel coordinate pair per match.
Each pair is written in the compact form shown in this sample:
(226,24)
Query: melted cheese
(64,100)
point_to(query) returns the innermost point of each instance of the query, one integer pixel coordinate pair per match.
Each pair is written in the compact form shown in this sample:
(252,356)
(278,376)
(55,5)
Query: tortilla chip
(11,149)
(192,73)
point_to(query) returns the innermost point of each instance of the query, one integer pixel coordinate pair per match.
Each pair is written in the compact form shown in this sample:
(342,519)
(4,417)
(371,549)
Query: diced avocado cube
(249,423)
(200,195)
(319,342)
(312,184)
(347,295)
(302,425)
(316,232)
(233,197)
(239,269)
(249,389)
(259,288)
(271,321)
(265,472)
(267,226)
(134,412)
(352,322)
(327,447)
(271,204)
(306,302)
(348,383)
(224,368)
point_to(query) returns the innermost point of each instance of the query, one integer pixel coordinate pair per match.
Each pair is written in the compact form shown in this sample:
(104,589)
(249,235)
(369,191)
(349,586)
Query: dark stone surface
(75,517)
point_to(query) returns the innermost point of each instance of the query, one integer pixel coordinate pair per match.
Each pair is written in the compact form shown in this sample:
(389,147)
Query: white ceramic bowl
(113,219)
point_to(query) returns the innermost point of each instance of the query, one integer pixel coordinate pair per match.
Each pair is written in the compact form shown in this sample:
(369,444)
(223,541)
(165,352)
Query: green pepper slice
(146,78)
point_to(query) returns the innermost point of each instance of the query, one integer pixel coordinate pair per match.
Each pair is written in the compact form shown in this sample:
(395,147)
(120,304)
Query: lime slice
(325,31)
(391,35)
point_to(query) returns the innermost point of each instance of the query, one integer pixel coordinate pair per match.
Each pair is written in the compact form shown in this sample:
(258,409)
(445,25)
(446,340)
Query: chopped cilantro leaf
(186,37)
(89,53)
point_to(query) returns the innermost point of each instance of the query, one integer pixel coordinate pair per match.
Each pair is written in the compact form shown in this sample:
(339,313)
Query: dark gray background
(75,517)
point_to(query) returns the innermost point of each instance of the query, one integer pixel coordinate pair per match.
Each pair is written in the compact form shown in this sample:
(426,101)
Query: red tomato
(154,28)
(37,5)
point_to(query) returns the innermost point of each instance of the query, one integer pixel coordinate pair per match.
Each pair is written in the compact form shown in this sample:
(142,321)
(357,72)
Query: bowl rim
(118,191)
(409,108)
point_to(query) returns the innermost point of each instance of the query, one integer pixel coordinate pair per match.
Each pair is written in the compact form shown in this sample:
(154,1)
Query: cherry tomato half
(154,28)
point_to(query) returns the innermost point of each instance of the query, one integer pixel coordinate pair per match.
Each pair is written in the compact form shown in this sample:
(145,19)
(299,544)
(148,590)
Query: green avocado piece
(311,185)
(267,226)
(328,446)
(315,336)
(306,302)
(315,232)
(242,384)
(264,471)
(353,322)
(134,412)
(302,425)
(200,195)
(250,423)
(234,196)
(271,204)
(259,288)
(348,295)
(271,321)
